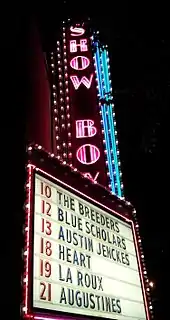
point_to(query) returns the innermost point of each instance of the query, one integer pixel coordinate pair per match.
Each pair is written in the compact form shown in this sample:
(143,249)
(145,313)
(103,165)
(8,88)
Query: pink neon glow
(79,63)
(140,271)
(76,32)
(45,318)
(49,318)
(76,82)
(82,45)
(88,175)
(85,128)
(93,151)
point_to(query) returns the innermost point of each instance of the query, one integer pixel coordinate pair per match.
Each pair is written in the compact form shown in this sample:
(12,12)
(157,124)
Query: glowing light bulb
(151,284)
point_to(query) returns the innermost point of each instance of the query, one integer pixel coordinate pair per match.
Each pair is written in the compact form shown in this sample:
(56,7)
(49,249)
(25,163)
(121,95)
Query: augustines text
(84,234)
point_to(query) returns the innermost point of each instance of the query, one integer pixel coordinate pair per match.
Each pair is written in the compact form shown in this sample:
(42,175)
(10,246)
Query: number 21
(45,293)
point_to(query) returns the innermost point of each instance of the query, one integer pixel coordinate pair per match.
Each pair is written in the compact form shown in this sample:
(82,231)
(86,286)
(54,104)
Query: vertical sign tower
(84,117)
(82,252)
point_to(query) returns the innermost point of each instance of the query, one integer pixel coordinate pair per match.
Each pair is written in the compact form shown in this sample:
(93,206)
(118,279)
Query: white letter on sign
(85,128)
(76,32)
(79,63)
(88,154)
(88,175)
(76,82)
(82,45)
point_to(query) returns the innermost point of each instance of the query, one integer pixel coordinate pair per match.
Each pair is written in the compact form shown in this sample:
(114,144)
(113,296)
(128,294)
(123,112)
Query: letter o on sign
(79,63)
(88,154)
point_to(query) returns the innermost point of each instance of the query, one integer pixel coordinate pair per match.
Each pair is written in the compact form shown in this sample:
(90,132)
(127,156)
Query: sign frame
(36,313)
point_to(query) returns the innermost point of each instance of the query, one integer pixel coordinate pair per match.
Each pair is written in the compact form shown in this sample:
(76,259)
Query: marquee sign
(83,108)
(82,256)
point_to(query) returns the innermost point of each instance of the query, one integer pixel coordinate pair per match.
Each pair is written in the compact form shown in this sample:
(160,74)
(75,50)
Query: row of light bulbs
(67,93)
(143,264)
(64,121)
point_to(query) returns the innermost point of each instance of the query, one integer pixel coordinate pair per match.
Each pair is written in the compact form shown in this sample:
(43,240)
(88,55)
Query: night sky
(139,48)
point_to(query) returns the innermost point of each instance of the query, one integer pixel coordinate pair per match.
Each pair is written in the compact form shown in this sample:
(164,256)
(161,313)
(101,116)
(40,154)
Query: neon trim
(76,82)
(98,69)
(111,123)
(88,175)
(81,125)
(109,157)
(74,63)
(82,45)
(140,272)
(94,154)
(76,32)
(106,128)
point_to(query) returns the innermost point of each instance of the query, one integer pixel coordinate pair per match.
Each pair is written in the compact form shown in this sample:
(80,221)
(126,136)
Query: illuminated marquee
(83,108)
(82,257)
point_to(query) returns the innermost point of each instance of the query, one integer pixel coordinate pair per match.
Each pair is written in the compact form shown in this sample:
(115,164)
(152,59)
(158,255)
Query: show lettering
(81,74)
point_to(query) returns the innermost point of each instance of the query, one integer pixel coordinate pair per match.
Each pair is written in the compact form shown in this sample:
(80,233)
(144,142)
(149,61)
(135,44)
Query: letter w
(76,82)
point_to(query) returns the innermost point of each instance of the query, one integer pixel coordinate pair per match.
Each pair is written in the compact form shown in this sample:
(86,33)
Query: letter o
(93,151)
(79,63)
(87,280)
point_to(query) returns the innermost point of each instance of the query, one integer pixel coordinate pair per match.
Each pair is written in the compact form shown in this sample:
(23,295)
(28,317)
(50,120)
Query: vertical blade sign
(88,148)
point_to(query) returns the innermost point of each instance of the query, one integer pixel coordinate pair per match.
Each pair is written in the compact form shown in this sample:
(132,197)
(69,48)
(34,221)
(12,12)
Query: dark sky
(139,47)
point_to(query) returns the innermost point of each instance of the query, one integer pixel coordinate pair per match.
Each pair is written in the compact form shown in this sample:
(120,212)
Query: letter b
(85,128)
(60,215)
